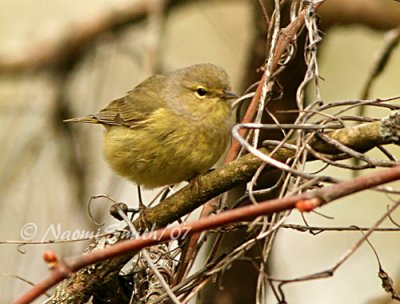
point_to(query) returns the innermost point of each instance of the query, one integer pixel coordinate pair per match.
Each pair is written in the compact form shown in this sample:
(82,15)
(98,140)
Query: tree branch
(83,284)
(319,197)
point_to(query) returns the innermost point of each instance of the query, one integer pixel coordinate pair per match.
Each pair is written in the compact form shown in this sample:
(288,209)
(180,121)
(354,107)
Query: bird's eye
(201,92)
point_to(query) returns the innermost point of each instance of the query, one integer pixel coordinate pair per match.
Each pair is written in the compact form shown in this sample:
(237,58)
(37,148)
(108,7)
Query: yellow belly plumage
(167,148)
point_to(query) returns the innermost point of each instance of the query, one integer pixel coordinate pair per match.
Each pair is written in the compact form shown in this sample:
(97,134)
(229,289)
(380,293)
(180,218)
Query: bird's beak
(229,95)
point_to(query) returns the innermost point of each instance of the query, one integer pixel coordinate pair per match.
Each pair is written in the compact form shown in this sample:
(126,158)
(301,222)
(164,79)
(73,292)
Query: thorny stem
(319,197)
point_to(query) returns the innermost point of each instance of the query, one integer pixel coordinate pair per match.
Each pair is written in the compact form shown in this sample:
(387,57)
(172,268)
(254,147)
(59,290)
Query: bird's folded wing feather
(135,107)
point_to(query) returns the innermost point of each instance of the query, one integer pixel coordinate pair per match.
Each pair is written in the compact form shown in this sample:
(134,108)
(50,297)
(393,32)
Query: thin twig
(319,197)
(149,261)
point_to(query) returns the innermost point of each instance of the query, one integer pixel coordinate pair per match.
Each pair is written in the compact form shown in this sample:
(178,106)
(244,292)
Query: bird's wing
(136,106)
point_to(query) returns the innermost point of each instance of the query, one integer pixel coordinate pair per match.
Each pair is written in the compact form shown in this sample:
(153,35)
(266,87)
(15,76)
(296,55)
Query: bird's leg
(195,179)
(142,210)
(141,205)
(165,193)
(209,170)
(195,182)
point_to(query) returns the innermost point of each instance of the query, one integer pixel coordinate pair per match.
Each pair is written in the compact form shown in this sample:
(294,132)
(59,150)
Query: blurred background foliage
(49,172)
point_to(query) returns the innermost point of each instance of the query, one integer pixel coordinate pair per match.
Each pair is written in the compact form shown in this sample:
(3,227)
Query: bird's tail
(85,119)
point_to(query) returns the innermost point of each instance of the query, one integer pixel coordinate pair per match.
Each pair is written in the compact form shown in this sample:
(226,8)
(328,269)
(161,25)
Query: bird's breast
(167,148)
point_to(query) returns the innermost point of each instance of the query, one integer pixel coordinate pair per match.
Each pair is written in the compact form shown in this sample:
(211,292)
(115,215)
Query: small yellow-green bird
(170,128)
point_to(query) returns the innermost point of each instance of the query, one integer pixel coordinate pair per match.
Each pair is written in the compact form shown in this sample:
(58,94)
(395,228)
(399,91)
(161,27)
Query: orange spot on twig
(50,257)
(308,205)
